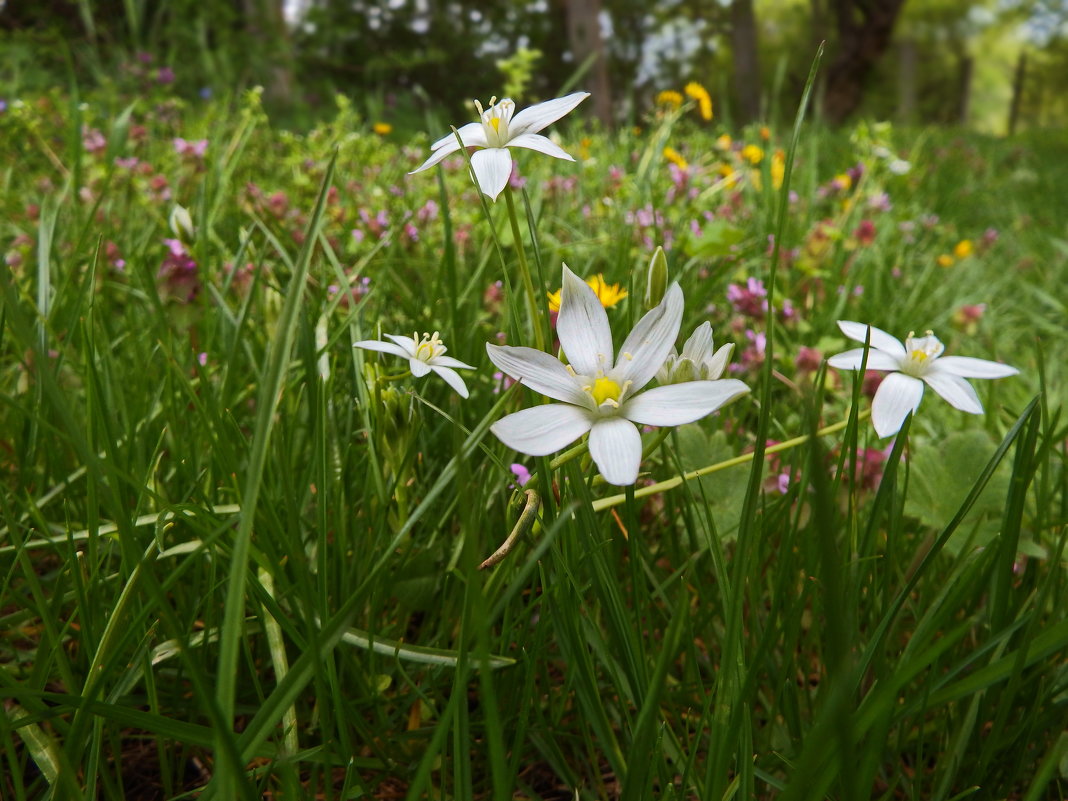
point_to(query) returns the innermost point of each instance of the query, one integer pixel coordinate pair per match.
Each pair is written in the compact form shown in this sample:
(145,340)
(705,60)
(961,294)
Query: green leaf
(716,239)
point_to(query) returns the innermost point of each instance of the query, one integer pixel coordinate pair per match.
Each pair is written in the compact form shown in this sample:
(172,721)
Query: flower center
(428,347)
(605,389)
(495,120)
(922,351)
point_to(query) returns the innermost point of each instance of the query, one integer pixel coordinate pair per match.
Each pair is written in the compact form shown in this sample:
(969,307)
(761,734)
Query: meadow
(242,558)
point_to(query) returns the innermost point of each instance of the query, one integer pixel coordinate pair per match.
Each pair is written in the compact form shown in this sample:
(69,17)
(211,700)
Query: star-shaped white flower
(700,361)
(424,354)
(601,392)
(496,131)
(919,361)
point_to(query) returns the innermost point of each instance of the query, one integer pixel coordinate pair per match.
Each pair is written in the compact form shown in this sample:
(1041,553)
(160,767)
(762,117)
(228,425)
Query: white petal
(897,395)
(616,447)
(473,135)
(383,347)
(718,363)
(582,326)
(542,430)
(541,144)
(540,371)
(877,360)
(439,155)
(448,361)
(533,119)
(957,392)
(967,367)
(407,343)
(699,344)
(452,378)
(644,351)
(492,167)
(879,338)
(418,367)
(677,404)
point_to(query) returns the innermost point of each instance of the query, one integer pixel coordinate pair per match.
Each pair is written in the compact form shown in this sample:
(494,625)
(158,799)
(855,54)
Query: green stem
(671,483)
(524,269)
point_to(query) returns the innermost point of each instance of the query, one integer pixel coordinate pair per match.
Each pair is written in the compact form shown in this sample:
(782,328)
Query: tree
(746,60)
(864,29)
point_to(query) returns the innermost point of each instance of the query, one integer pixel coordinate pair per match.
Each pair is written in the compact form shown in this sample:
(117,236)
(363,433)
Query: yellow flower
(669,97)
(382,128)
(675,157)
(753,154)
(945,260)
(778,168)
(963,249)
(608,294)
(843,180)
(700,94)
(730,175)
(724,142)
(765,132)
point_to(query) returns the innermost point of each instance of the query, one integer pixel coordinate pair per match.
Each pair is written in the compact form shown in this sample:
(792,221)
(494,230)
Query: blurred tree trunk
(1017,92)
(584,36)
(746,60)
(964,88)
(906,81)
(265,22)
(864,31)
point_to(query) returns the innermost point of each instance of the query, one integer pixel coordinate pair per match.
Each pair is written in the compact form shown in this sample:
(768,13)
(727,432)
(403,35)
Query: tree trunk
(864,31)
(746,60)
(1017,92)
(584,36)
(906,81)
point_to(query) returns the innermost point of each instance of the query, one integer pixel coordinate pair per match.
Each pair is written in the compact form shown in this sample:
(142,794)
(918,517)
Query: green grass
(256,570)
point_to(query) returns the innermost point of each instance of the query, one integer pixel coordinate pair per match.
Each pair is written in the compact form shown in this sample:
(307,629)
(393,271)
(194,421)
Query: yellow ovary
(605,389)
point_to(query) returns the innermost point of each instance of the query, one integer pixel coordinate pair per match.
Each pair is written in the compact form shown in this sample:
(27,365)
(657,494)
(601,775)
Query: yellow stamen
(605,389)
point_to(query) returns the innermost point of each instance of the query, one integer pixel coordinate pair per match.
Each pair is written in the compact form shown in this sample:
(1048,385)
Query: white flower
(919,361)
(699,360)
(601,392)
(424,354)
(496,131)
(182,224)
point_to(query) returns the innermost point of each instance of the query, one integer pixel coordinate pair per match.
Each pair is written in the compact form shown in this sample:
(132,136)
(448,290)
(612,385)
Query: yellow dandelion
(669,97)
(724,142)
(963,249)
(382,128)
(608,294)
(675,157)
(700,94)
(945,260)
(753,154)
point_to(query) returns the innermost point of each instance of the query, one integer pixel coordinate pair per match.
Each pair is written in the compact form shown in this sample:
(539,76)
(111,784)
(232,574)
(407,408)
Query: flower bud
(656,279)
(182,224)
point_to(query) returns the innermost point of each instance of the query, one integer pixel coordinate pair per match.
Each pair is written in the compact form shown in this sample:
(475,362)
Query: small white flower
(424,354)
(919,361)
(496,131)
(600,392)
(182,224)
(700,361)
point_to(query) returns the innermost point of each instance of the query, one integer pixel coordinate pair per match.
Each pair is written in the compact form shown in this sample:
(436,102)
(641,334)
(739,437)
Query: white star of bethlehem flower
(496,131)
(601,392)
(919,361)
(424,354)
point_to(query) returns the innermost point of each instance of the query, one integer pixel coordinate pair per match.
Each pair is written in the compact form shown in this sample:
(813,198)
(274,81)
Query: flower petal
(879,338)
(898,394)
(644,350)
(448,361)
(492,167)
(538,116)
(677,404)
(541,430)
(967,367)
(382,347)
(541,144)
(582,325)
(418,367)
(957,392)
(541,372)
(439,155)
(877,360)
(452,378)
(616,447)
(473,135)
(408,343)
(699,345)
